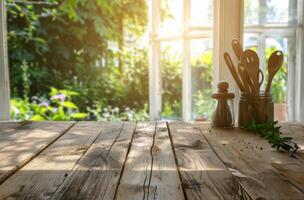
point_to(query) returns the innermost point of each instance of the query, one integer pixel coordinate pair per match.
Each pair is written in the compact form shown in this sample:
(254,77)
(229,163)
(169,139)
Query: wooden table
(153,160)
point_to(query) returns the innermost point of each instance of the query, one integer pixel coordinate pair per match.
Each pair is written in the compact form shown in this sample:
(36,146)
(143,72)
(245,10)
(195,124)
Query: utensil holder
(259,108)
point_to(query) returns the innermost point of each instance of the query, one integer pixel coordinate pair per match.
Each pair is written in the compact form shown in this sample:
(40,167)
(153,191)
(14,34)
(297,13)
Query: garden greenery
(79,48)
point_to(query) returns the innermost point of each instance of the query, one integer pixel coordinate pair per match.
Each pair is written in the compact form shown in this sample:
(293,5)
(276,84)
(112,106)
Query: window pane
(266,40)
(171,17)
(280,11)
(171,77)
(251,10)
(279,83)
(201,13)
(250,41)
(201,70)
(259,12)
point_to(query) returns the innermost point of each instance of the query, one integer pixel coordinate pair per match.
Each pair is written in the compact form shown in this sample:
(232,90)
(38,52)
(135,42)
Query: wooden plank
(7,128)
(97,174)
(150,171)
(202,173)
(165,183)
(263,172)
(296,131)
(40,178)
(27,142)
(136,174)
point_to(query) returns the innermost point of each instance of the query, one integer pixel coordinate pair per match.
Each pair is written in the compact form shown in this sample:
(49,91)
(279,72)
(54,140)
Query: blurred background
(89,60)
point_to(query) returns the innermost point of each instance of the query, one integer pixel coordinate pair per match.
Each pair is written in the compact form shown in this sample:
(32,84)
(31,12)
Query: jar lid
(222,92)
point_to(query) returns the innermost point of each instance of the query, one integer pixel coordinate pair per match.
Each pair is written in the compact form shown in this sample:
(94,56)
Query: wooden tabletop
(146,161)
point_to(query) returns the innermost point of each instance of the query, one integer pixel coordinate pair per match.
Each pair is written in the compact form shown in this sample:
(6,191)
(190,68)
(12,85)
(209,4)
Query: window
(270,25)
(181,53)
(185,39)
(187,42)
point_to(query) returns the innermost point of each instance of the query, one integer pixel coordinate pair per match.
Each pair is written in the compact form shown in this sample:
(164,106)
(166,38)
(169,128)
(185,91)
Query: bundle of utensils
(247,74)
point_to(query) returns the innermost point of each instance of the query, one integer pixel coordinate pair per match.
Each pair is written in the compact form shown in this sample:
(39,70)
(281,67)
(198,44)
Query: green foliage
(202,85)
(122,87)
(110,114)
(203,104)
(272,133)
(171,75)
(59,107)
(171,66)
(63,39)
(66,44)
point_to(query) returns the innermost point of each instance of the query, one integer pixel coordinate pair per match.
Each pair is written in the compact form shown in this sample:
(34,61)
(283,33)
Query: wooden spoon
(237,48)
(251,62)
(245,79)
(274,63)
(233,71)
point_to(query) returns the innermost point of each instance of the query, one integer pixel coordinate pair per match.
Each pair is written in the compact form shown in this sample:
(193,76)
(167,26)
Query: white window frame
(4,71)
(222,37)
(226,12)
(295,89)
(297,106)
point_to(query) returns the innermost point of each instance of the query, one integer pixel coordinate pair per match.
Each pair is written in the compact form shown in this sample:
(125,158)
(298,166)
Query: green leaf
(79,115)
(69,104)
(272,133)
(53,92)
(38,118)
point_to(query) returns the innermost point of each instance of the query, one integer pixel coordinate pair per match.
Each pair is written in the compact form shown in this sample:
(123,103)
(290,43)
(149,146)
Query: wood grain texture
(202,173)
(26,142)
(165,182)
(296,131)
(150,171)
(7,128)
(97,174)
(10,131)
(40,178)
(264,172)
(134,183)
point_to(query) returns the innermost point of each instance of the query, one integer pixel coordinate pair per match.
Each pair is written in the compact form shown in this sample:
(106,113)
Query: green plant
(203,104)
(109,113)
(59,107)
(171,79)
(59,40)
(202,85)
(272,133)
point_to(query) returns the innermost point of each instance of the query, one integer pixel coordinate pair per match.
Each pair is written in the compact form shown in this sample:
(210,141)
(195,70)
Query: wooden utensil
(262,79)
(251,62)
(233,71)
(237,48)
(274,63)
(245,79)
